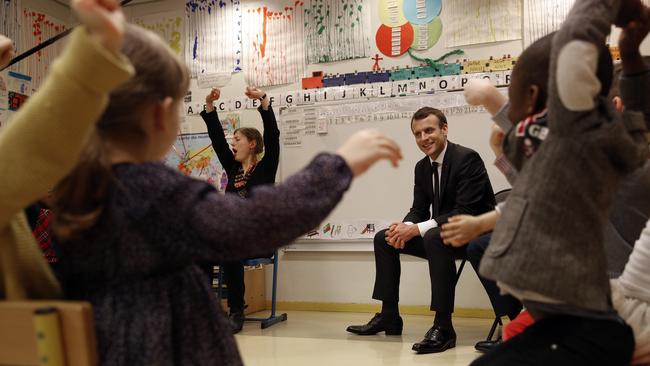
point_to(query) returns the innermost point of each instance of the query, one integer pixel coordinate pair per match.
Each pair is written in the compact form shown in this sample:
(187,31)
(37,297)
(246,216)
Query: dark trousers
(442,268)
(566,340)
(233,276)
(502,304)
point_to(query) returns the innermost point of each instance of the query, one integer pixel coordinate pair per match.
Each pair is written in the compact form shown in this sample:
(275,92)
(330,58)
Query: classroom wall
(348,277)
(50,7)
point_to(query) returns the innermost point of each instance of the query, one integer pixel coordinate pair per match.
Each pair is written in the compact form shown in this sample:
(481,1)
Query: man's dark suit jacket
(464,186)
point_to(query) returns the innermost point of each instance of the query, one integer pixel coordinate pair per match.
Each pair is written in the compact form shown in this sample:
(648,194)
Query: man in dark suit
(450,180)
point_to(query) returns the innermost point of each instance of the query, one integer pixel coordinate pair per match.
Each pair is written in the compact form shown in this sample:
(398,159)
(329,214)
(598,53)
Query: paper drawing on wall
(193,155)
(169,26)
(336,30)
(408,24)
(542,17)
(214,36)
(482,21)
(37,28)
(273,44)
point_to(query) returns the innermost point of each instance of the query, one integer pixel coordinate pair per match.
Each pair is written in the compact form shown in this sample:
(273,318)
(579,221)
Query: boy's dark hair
(533,67)
(425,112)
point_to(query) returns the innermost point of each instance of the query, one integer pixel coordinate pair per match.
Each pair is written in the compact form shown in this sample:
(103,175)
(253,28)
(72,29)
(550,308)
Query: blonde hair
(79,199)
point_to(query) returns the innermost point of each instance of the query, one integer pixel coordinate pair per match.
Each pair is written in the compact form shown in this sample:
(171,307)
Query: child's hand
(104,20)
(641,354)
(365,148)
(254,93)
(482,92)
(496,140)
(476,91)
(461,229)
(6,51)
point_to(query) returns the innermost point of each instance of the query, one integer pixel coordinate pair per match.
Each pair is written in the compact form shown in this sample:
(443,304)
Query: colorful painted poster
(273,44)
(15,89)
(169,26)
(481,21)
(336,30)
(37,28)
(193,155)
(214,33)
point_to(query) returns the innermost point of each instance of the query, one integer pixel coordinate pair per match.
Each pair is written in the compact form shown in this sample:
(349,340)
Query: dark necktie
(436,190)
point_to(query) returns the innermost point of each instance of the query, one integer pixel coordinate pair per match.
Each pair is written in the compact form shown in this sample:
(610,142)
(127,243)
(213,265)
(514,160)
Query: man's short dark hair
(425,112)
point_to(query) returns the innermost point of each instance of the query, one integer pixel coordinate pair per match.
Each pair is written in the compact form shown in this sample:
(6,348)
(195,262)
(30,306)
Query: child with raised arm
(134,232)
(44,140)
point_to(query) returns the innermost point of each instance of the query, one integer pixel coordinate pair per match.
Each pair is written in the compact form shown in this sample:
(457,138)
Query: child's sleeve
(574,80)
(229,227)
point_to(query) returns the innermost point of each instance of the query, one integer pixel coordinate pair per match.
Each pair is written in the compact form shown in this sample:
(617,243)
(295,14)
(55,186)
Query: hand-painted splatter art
(37,28)
(273,44)
(213,36)
(169,26)
(336,30)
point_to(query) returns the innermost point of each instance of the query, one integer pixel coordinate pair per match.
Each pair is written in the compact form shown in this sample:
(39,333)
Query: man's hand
(6,51)
(399,233)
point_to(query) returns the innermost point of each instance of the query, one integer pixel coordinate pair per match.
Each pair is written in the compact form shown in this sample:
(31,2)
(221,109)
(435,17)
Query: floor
(319,338)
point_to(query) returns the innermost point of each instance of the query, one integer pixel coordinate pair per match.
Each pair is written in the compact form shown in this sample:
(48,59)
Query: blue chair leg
(272,319)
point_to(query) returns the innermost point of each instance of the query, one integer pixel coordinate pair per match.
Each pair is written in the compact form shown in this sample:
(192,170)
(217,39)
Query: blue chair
(222,292)
(272,318)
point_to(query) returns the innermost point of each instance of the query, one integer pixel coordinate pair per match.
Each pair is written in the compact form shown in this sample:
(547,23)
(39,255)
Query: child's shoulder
(155,179)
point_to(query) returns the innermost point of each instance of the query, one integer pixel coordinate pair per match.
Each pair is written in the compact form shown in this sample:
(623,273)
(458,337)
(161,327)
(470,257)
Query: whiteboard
(384,192)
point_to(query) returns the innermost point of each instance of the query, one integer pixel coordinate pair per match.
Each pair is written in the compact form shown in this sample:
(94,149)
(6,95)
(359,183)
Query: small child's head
(529,80)
(139,124)
(247,142)
(145,110)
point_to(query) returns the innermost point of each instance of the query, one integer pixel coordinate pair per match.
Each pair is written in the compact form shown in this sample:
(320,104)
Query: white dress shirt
(425,226)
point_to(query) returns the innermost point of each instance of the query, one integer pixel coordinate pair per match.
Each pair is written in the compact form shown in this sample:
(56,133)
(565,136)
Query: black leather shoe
(436,340)
(379,323)
(236,322)
(487,346)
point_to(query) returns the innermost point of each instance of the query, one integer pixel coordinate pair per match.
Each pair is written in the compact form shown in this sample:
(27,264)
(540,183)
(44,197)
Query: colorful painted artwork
(273,44)
(214,36)
(37,28)
(169,26)
(336,30)
(193,155)
(408,24)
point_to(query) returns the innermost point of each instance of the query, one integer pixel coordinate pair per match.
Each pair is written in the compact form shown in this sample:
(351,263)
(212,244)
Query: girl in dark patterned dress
(132,231)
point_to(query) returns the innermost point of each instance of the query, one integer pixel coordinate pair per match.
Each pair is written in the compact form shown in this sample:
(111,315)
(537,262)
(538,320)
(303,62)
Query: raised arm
(578,62)
(227,227)
(44,139)
(271,131)
(215,131)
